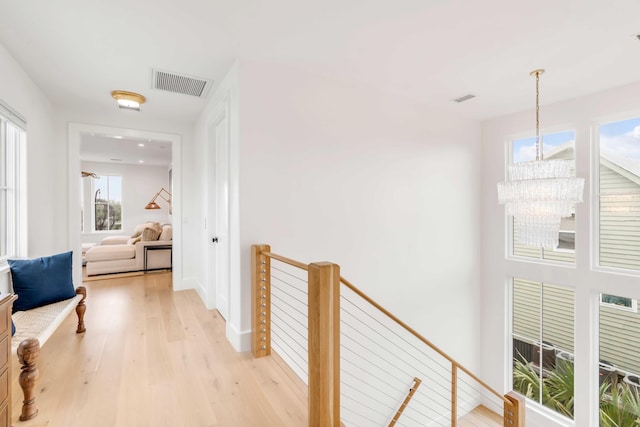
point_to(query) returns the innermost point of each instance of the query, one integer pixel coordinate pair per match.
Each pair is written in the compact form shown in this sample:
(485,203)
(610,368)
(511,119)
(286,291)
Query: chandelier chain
(538,153)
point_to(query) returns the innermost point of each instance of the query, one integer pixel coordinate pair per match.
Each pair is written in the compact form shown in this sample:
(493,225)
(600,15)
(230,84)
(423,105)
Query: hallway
(154,357)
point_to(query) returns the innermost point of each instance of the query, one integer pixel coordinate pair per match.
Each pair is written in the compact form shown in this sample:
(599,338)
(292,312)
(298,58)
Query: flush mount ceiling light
(540,192)
(128,100)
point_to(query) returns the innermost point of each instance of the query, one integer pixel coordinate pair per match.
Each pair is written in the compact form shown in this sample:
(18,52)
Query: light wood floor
(154,357)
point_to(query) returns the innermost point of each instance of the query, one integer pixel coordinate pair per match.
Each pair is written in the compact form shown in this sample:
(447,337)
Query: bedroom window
(12,183)
(107,203)
(559,145)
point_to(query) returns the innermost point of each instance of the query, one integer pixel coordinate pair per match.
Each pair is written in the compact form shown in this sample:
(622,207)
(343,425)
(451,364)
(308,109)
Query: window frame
(633,308)
(13,168)
(94,204)
(510,244)
(596,125)
(540,340)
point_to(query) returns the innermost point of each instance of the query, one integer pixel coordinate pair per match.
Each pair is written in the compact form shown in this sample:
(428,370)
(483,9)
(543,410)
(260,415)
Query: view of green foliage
(619,403)
(108,215)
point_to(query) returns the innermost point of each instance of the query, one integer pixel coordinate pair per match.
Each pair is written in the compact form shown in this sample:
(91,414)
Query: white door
(219,214)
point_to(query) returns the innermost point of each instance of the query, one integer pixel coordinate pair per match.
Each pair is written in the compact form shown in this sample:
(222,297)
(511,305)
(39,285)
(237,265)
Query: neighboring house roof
(625,166)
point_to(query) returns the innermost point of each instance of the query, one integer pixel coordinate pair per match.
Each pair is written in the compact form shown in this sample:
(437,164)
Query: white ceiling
(430,51)
(124,150)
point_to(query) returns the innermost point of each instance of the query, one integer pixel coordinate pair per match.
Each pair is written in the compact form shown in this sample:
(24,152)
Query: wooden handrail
(286,260)
(421,338)
(416,383)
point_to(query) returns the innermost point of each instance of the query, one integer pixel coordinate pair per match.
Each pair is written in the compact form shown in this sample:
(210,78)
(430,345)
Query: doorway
(218,144)
(76,133)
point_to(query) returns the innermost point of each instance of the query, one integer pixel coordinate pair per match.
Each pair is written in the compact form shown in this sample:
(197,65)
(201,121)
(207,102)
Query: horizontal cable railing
(362,364)
(289,326)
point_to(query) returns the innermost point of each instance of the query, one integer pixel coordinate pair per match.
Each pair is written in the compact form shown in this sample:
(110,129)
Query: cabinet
(6,303)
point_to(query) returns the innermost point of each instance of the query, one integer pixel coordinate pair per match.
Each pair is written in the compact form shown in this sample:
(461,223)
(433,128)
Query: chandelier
(539,193)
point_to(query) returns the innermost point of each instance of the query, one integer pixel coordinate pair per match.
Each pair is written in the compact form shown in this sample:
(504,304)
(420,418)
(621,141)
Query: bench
(33,329)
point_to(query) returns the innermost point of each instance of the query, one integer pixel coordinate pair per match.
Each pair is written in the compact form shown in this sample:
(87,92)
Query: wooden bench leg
(28,353)
(81,308)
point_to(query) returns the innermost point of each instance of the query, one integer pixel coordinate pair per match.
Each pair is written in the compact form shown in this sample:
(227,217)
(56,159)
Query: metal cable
(288,274)
(379,368)
(282,352)
(274,302)
(302,336)
(420,350)
(430,368)
(279,289)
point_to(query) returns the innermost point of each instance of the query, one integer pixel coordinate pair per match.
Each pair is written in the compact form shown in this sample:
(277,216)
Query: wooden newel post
(515,410)
(324,345)
(260,301)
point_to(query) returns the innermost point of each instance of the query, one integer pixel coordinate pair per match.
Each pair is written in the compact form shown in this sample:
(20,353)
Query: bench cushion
(41,281)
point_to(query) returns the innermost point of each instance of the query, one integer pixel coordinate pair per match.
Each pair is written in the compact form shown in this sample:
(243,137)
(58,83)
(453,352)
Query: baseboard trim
(240,340)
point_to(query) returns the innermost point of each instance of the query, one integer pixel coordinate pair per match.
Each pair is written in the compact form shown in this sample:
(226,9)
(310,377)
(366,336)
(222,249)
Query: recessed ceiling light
(128,100)
(118,137)
(140,161)
(140,145)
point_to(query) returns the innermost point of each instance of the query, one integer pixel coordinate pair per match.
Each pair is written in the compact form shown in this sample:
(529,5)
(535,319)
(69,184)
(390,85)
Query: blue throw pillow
(41,281)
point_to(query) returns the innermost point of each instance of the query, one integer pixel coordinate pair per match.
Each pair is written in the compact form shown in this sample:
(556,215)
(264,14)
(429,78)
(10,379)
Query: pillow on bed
(41,281)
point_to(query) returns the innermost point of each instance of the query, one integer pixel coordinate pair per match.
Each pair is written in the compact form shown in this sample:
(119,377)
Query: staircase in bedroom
(362,365)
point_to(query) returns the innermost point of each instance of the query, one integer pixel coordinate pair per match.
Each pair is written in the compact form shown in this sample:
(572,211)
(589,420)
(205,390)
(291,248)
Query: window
(12,183)
(543,344)
(619,198)
(621,303)
(107,203)
(619,362)
(559,145)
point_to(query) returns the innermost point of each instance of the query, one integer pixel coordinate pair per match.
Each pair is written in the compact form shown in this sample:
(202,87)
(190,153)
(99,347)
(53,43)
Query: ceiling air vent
(464,98)
(180,83)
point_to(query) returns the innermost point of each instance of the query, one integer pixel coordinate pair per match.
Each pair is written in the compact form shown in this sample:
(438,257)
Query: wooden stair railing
(405,403)
(324,340)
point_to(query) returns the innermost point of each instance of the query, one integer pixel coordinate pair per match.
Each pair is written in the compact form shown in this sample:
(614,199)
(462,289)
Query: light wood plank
(155,357)
(481,417)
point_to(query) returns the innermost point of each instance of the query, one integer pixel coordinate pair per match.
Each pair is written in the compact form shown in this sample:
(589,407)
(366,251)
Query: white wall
(579,114)
(139,184)
(385,188)
(20,93)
